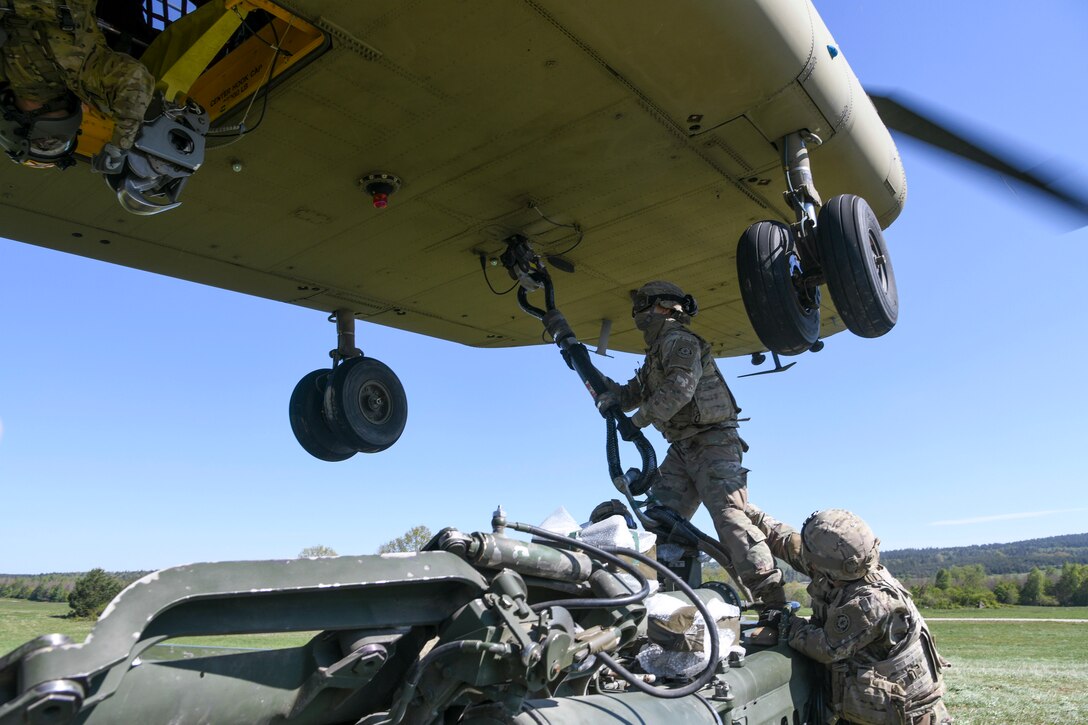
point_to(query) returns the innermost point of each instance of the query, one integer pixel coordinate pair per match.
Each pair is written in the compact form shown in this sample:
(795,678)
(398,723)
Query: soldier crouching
(883,664)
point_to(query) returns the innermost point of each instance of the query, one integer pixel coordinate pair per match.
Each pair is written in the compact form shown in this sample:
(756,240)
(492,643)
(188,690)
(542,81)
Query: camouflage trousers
(936,715)
(706,469)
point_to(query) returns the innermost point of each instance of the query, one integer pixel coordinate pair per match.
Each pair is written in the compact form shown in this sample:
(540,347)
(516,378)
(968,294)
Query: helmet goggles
(641,302)
(42,138)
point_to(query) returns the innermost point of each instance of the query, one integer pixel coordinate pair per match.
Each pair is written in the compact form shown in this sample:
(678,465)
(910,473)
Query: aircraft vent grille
(160,13)
(349,41)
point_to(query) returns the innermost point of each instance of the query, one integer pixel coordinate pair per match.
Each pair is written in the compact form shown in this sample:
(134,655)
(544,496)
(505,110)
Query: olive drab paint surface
(480,109)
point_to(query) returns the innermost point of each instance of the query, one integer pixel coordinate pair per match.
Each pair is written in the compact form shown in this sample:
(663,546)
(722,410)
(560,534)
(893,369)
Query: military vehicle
(475,628)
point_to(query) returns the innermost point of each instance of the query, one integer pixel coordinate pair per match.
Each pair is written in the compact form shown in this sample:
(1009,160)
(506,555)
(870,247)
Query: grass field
(1003,673)
(1015,673)
(1009,613)
(22,621)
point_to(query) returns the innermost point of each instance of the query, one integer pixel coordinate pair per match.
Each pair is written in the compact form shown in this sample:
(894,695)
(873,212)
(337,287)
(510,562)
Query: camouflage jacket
(679,387)
(53,47)
(884,665)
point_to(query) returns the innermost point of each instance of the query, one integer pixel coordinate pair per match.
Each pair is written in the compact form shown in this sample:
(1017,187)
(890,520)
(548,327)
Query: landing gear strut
(781,267)
(357,406)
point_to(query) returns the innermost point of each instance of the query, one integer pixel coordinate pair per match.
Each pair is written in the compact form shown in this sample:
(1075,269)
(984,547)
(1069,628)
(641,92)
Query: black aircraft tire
(365,404)
(765,265)
(308,423)
(857,266)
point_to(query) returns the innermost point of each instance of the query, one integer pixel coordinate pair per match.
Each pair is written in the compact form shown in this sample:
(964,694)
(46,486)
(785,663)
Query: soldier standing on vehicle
(680,390)
(883,663)
(52,58)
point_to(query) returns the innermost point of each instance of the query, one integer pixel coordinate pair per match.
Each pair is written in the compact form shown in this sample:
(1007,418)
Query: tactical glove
(110,160)
(796,625)
(608,401)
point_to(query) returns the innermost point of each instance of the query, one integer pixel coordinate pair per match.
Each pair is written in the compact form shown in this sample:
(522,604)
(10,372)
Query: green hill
(1014,558)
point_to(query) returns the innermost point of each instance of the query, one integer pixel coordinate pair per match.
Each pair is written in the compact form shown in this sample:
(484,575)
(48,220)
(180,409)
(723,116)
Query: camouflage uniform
(680,390)
(52,47)
(884,668)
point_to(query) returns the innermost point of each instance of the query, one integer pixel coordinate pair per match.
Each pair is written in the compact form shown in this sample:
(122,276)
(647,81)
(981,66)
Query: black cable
(712,665)
(551,221)
(608,553)
(265,87)
(483,268)
(416,673)
(271,76)
(571,248)
(587,602)
(574,226)
(256,34)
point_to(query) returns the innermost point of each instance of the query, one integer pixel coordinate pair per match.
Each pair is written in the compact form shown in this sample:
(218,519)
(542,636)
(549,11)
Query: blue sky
(143,420)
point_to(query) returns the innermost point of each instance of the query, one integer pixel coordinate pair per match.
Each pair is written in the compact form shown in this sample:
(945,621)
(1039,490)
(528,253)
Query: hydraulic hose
(608,553)
(708,672)
(588,603)
(525,266)
(663,520)
(523,302)
(714,550)
(411,682)
(577,358)
(638,481)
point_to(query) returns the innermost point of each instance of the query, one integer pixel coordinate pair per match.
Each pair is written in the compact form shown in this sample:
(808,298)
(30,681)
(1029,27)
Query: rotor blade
(904,119)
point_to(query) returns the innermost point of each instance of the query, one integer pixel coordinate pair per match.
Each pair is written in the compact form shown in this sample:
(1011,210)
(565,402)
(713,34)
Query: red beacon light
(380,185)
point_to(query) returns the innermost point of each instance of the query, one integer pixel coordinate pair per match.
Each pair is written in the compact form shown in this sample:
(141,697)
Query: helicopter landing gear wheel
(857,267)
(365,404)
(308,419)
(783,308)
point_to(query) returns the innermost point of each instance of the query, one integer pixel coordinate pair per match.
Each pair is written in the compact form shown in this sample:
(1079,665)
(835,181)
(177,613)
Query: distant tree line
(1015,558)
(971,586)
(959,582)
(40,588)
(56,587)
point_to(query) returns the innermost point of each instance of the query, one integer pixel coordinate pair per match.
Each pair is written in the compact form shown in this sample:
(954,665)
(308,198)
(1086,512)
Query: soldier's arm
(119,86)
(630,393)
(783,539)
(681,358)
(847,630)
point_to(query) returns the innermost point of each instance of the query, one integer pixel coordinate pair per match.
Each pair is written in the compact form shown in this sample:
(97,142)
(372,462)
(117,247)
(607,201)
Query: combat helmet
(660,290)
(44,137)
(839,544)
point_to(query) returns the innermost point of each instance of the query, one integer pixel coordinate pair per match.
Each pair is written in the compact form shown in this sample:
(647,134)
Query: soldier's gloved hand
(608,401)
(110,160)
(640,419)
(796,624)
